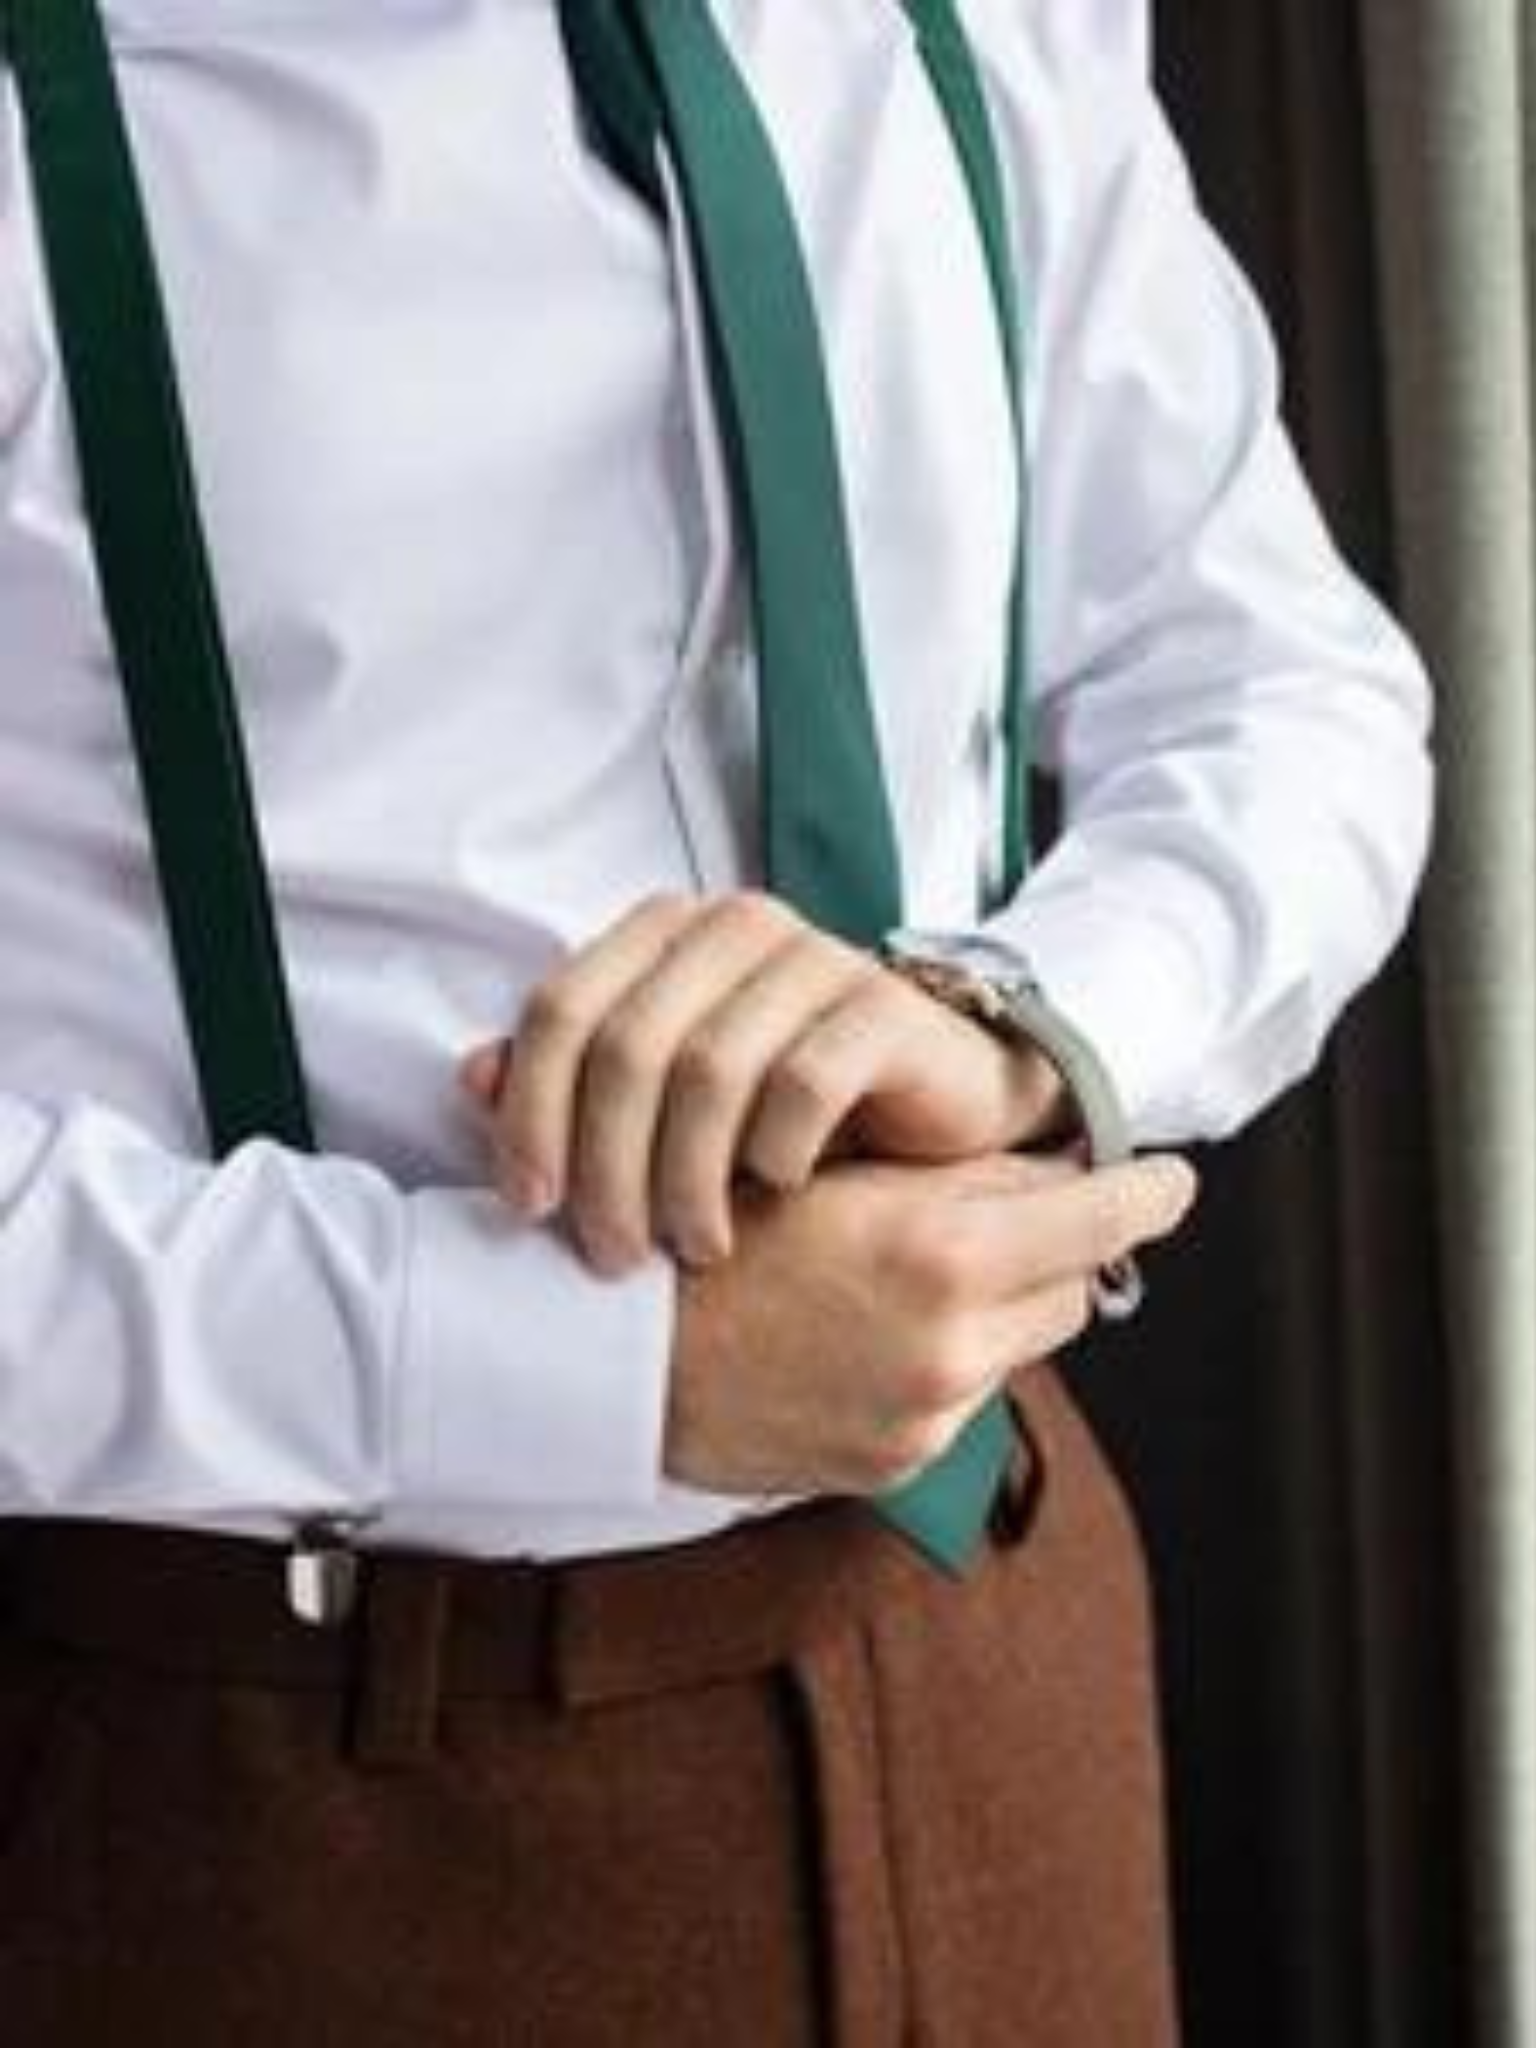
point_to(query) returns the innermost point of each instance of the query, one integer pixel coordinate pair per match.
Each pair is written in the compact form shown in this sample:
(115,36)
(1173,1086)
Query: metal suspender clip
(323,1570)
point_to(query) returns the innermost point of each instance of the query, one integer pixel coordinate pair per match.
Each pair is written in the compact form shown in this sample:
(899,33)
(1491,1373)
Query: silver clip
(322,1574)
(1119,1290)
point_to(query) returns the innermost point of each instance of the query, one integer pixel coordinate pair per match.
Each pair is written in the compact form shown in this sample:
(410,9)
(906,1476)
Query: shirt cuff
(524,1380)
(1135,983)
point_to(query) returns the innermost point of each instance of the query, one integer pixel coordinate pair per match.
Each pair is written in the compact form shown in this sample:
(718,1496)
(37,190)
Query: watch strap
(996,987)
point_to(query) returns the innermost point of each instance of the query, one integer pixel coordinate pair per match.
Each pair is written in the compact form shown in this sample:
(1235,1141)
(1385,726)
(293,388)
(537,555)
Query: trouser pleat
(861,1942)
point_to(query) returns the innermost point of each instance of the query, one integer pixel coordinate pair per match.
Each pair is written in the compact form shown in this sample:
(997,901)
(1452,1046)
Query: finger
(718,1074)
(985,1350)
(996,1174)
(534,1106)
(1001,1245)
(1036,1325)
(623,1082)
(1097,1218)
(862,1043)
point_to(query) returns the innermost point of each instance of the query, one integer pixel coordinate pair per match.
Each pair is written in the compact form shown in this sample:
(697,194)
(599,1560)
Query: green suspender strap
(155,577)
(831,846)
(659,70)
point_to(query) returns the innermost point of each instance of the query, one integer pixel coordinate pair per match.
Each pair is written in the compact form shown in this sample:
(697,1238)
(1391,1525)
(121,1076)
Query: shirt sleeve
(1238,729)
(282,1335)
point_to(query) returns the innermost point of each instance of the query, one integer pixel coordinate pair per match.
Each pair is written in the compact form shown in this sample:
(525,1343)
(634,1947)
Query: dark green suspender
(655,66)
(137,479)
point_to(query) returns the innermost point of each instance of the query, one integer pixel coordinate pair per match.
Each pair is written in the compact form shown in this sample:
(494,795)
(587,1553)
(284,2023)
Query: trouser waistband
(212,1609)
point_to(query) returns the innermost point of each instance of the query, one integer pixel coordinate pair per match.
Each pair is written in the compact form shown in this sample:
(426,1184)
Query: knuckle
(930,1263)
(858,971)
(857,1468)
(665,906)
(894,994)
(757,910)
(807,1082)
(553,1011)
(873,1466)
(950,1271)
(857,1472)
(704,1070)
(888,1004)
(938,1376)
(622,1053)
(911,1446)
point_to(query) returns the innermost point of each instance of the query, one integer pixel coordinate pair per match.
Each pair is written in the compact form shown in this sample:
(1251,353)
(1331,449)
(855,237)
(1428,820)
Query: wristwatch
(994,986)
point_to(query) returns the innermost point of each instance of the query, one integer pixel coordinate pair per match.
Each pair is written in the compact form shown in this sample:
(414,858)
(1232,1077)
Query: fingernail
(528,1189)
(702,1248)
(485,1069)
(611,1254)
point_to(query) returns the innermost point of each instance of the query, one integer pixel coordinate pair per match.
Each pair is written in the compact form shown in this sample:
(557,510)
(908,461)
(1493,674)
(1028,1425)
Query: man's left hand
(699,1039)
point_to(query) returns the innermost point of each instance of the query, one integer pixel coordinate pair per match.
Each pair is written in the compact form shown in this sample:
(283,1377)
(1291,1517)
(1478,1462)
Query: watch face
(973,957)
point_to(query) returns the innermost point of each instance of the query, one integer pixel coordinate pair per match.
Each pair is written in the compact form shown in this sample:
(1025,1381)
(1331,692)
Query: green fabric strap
(830,847)
(155,578)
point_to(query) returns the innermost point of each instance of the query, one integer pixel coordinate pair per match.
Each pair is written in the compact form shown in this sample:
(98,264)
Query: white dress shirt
(461,477)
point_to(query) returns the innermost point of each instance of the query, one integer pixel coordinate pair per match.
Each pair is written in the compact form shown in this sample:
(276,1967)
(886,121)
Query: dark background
(1284,1449)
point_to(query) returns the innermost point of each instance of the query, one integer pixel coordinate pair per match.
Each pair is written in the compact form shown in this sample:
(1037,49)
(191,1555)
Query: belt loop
(397,1678)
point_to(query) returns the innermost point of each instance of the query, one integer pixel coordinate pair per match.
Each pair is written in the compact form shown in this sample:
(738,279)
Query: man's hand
(696,1041)
(862,1323)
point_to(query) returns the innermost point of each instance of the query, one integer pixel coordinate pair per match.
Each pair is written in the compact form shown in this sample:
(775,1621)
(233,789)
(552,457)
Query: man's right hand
(861,1322)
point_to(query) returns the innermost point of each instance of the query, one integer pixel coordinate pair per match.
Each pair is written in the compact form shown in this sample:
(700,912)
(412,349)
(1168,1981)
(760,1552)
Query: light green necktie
(830,848)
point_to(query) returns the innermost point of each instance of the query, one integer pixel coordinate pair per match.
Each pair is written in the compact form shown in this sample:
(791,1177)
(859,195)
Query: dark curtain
(1281,1414)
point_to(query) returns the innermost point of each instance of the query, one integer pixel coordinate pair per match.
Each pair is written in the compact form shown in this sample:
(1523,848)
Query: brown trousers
(788,1786)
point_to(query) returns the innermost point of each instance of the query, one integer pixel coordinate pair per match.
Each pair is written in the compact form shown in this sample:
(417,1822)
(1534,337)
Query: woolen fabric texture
(788,1785)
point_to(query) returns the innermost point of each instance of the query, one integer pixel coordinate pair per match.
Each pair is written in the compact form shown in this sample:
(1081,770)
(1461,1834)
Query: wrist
(996,989)
(1042,1111)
